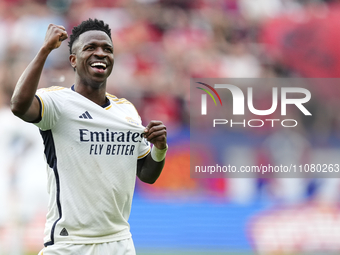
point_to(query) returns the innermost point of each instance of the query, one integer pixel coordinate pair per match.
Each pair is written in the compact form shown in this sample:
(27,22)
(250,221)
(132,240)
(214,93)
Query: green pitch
(182,253)
(178,252)
(193,253)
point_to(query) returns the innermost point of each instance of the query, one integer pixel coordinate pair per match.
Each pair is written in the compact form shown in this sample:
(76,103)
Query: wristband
(157,154)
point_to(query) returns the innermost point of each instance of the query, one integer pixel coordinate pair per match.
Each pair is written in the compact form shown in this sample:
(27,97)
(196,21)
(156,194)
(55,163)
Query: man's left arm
(150,167)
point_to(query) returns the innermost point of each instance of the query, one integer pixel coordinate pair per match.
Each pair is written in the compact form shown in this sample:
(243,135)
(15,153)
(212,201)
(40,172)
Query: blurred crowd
(159,45)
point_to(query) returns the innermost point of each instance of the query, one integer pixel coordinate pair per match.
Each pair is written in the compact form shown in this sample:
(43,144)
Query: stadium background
(159,46)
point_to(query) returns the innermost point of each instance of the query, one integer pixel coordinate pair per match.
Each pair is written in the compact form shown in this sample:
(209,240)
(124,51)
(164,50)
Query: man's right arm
(24,104)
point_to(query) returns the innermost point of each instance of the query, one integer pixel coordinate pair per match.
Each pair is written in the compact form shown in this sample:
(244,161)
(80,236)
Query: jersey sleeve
(144,148)
(51,103)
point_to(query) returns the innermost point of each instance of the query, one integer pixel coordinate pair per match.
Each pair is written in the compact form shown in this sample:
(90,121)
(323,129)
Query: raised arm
(23,102)
(150,167)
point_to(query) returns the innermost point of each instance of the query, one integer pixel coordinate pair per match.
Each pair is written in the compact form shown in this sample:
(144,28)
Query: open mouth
(99,66)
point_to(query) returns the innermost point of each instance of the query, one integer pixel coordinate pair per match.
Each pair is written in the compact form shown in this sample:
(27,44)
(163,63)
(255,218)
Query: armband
(157,154)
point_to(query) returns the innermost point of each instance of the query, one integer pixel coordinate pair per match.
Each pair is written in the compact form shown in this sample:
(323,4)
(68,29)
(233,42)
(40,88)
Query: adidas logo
(64,232)
(85,115)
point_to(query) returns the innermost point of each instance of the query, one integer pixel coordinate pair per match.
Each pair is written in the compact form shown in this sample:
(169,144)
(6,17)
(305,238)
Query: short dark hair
(88,25)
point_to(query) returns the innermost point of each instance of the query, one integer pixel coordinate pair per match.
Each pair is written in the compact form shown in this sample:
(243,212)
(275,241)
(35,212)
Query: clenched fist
(155,133)
(54,36)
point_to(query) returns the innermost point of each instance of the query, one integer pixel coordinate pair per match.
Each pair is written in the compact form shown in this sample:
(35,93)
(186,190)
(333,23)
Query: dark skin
(91,47)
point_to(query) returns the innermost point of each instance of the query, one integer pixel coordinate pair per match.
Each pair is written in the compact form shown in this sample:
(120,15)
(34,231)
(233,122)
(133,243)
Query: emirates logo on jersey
(106,142)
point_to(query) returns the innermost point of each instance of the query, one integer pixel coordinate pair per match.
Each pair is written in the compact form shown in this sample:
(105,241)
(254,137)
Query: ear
(73,60)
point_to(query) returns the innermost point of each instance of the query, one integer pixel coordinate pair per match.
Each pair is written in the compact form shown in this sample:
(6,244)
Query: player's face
(93,56)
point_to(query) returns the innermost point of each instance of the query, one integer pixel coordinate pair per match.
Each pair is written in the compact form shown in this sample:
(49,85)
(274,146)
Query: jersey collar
(104,105)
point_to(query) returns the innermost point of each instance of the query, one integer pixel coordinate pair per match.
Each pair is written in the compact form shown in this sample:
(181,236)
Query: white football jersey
(91,153)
